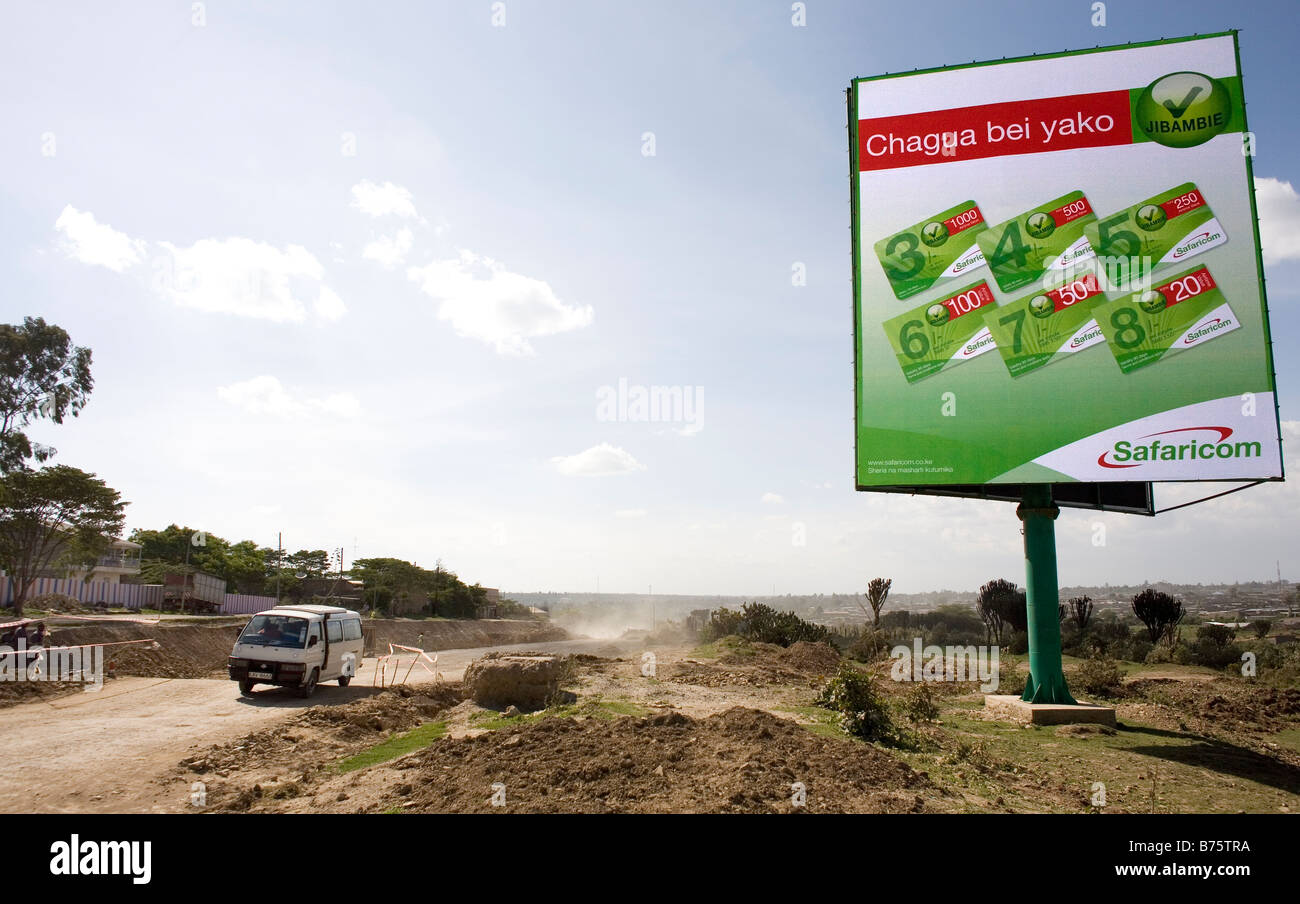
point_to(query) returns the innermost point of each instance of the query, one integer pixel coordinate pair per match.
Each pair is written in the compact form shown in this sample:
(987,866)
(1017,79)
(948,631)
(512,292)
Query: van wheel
(310,687)
(246,687)
(344,680)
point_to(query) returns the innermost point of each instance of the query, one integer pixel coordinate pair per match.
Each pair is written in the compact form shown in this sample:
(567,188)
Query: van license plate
(267,675)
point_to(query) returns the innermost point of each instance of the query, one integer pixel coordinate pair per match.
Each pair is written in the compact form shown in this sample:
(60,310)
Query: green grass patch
(732,644)
(595,708)
(820,721)
(398,745)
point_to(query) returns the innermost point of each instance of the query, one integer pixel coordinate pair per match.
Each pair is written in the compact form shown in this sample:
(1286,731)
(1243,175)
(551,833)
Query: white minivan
(298,647)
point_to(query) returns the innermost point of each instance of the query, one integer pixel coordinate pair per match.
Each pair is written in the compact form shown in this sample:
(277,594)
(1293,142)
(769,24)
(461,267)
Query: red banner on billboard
(995,130)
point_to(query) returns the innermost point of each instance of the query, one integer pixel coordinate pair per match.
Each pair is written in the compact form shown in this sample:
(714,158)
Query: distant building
(120,560)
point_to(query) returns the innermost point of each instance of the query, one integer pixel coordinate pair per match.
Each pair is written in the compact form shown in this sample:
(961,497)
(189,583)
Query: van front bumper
(286,674)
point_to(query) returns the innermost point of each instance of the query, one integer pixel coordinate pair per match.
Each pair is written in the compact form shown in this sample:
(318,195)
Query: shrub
(721,623)
(869,646)
(767,625)
(763,624)
(1214,646)
(1099,676)
(863,711)
(1010,679)
(920,705)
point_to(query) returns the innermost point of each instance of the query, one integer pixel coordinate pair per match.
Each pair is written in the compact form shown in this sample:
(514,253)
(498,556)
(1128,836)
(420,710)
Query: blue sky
(361,273)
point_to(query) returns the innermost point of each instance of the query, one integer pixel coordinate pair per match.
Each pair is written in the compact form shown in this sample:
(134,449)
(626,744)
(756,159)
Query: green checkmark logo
(1177,110)
(1183,109)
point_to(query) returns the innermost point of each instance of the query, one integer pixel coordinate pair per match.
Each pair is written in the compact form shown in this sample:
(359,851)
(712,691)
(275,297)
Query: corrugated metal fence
(243,604)
(129,596)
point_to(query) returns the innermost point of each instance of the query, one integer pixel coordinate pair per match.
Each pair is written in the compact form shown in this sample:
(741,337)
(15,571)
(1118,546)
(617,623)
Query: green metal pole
(1046,682)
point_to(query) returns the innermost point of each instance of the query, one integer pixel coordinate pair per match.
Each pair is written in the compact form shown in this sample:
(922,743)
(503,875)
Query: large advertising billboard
(1057,275)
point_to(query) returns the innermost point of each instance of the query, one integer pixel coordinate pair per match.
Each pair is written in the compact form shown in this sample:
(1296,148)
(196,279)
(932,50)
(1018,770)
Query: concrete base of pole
(1013,709)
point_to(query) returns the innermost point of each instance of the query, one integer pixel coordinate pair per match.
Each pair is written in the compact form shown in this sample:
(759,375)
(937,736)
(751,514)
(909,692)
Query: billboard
(1057,276)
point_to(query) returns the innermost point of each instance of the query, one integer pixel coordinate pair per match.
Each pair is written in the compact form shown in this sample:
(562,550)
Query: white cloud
(483,300)
(265,395)
(630,513)
(328,305)
(598,461)
(1279,219)
(772,499)
(383,200)
(247,278)
(96,243)
(389,251)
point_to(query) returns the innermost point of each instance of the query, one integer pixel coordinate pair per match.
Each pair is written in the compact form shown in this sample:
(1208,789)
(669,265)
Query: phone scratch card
(928,338)
(1183,312)
(1039,242)
(1040,328)
(940,247)
(1167,229)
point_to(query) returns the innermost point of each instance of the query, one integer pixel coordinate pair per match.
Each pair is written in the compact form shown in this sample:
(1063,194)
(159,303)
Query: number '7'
(1018,318)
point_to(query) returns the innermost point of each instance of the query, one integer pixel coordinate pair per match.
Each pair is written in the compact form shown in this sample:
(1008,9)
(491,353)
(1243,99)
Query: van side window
(334,631)
(352,629)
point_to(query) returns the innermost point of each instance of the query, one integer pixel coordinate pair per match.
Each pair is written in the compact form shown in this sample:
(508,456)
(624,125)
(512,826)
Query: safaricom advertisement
(1057,272)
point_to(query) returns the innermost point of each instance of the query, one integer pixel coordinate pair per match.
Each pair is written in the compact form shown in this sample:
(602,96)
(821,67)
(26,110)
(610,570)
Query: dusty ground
(726,728)
(54,746)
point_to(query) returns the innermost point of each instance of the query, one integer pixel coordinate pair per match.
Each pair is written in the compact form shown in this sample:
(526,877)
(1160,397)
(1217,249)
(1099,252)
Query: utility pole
(279,563)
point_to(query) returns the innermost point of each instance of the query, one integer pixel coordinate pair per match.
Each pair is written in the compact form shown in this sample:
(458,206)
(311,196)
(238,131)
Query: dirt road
(110,751)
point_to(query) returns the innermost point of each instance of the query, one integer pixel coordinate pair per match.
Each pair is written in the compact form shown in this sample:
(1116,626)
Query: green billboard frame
(1120,496)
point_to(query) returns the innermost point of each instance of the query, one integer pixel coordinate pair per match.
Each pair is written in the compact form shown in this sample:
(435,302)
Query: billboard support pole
(1046,682)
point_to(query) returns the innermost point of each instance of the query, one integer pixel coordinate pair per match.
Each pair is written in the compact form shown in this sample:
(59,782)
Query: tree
(247,566)
(53,513)
(314,563)
(877,593)
(42,375)
(1261,628)
(1000,604)
(1081,611)
(1159,611)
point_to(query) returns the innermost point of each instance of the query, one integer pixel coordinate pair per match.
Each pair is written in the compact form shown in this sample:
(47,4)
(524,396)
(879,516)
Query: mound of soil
(525,680)
(396,709)
(761,665)
(738,761)
(182,651)
(13,693)
(1223,704)
(814,658)
(301,752)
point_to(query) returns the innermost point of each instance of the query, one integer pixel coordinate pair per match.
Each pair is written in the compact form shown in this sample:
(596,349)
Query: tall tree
(42,375)
(1159,611)
(51,514)
(1000,605)
(1081,611)
(877,593)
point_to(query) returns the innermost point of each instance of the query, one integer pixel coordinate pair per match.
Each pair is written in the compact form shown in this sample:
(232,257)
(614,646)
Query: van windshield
(276,631)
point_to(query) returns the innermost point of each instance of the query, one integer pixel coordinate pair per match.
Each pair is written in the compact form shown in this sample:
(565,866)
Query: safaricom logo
(1080,341)
(1201,330)
(1196,449)
(1197,241)
(973,348)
